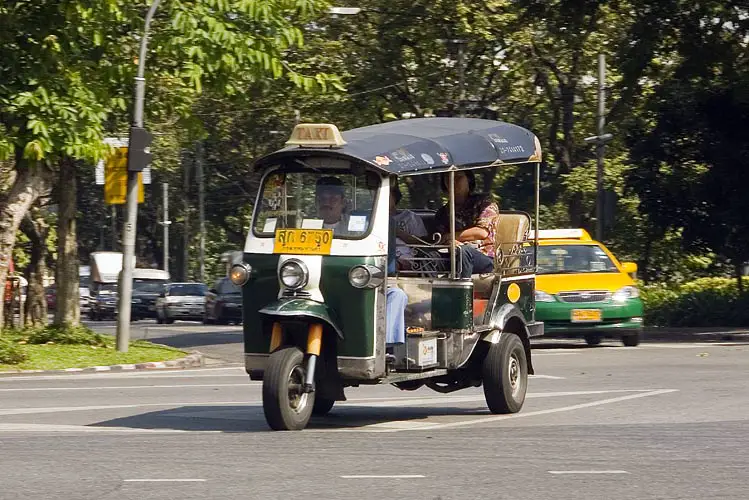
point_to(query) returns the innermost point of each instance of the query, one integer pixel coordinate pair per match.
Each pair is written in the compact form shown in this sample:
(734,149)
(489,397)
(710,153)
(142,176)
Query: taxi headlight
(543,297)
(366,276)
(293,274)
(239,274)
(625,293)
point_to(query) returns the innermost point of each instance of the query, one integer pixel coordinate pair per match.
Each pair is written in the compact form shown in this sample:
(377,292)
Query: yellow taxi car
(582,290)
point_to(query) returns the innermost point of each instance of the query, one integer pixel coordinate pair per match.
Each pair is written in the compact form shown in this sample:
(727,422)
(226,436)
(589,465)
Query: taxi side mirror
(629,267)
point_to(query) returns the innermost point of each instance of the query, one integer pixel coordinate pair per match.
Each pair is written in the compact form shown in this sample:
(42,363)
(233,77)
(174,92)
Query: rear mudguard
(508,319)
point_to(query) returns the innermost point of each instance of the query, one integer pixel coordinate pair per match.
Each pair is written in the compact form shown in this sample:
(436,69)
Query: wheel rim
(513,371)
(297,397)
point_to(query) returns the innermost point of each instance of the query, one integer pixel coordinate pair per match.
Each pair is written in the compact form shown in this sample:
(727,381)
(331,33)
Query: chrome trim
(583,296)
(358,368)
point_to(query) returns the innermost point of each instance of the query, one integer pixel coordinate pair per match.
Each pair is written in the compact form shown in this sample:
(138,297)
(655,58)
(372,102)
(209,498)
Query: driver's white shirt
(339,228)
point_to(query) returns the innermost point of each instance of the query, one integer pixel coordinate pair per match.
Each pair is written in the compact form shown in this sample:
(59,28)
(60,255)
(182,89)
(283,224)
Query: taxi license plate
(586,315)
(303,241)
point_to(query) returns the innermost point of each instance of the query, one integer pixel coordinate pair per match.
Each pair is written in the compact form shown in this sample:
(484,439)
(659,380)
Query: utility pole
(186,223)
(138,159)
(600,141)
(201,205)
(114,228)
(166,222)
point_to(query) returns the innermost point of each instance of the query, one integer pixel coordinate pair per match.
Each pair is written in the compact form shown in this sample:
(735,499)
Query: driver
(330,198)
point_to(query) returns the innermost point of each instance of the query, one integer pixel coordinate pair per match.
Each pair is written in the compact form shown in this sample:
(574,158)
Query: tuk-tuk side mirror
(629,267)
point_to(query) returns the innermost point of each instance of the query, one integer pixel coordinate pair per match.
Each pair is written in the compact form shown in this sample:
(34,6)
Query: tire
(632,340)
(593,339)
(282,412)
(505,375)
(322,406)
(168,321)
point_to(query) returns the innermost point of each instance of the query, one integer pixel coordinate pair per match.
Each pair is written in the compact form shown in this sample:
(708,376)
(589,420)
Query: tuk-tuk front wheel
(505,375)
(286,405)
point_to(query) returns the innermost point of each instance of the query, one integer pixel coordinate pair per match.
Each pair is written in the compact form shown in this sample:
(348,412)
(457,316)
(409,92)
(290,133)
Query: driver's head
(330,198)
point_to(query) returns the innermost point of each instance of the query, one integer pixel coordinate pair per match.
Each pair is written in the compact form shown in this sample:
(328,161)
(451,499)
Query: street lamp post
(129,229)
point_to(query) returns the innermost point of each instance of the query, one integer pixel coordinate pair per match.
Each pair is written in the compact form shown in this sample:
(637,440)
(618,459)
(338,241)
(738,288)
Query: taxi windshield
(570,259)
(339,201)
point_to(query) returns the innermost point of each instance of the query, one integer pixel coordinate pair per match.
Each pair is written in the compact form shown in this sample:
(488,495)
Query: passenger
(407,225)
(330,197)
(475,222)
(396,300)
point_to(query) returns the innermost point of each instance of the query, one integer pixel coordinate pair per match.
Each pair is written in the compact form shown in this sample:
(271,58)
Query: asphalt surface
(666,421)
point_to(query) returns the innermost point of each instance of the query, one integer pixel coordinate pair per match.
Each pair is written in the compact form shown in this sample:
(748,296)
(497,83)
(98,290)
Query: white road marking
(163,480)
(85,429)
(562,353)
(588,472)
(366,402)
(549,377)
(387,426)
(398,476)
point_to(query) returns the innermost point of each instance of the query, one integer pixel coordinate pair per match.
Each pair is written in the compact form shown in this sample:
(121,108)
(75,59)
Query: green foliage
(67,335)
(703,302)
(10,352)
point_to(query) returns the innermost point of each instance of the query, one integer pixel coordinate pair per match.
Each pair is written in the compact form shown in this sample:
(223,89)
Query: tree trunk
(739,281)
(36,229)
(68,309)
(31,182)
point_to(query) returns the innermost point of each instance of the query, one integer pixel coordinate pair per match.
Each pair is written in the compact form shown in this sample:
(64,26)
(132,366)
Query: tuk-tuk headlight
(366,276)
(239,274)
(293,274)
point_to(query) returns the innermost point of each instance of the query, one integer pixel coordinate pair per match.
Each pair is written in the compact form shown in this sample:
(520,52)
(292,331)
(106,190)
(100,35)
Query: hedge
(705,302)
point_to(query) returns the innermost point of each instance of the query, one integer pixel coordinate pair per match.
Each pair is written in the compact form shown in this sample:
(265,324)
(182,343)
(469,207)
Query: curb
(194,360)
(699,336)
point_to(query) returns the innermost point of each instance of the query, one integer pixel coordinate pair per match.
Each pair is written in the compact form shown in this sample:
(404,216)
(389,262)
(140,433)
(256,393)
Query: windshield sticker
(273,191)
(445,158)
(498,139)
(428,159)
(312,224)
(357,223)
(402,155)
(383,160)
(270,225)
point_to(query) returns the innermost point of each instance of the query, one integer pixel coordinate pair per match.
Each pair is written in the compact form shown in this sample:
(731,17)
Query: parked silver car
(184,301)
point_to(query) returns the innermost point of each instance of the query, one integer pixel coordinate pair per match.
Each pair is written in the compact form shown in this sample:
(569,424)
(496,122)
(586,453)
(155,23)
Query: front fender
(510,313)
(301,308)
(505,314)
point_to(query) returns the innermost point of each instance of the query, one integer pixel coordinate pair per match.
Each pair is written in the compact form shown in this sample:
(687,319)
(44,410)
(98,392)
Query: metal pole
(201,206)
(129,229)
(166,226)
(186,223)
(600,144)
(536,224)
(114,228)
(452,224)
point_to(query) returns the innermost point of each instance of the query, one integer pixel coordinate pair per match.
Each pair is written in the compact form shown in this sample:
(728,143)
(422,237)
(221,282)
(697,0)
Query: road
(666,421)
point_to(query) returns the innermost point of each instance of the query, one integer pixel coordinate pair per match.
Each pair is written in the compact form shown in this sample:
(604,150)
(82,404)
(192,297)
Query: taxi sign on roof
(316,135)
(562,234)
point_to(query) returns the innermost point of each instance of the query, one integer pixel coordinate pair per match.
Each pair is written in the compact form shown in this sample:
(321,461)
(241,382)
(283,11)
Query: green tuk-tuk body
(315,287)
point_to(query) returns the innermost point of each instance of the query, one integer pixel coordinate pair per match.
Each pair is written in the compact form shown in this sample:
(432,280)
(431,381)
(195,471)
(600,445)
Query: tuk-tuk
(314,292)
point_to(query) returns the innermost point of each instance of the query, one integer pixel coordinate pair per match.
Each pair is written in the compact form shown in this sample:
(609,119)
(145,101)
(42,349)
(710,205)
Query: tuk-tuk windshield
(339,201)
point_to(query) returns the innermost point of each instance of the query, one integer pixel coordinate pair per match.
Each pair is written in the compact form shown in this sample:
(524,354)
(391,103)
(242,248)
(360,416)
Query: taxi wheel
(286,406)
(631,340)
(322,406)
(592,339)
(505,375)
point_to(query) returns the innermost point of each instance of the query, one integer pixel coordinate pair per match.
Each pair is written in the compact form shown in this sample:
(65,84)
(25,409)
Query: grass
(59,355)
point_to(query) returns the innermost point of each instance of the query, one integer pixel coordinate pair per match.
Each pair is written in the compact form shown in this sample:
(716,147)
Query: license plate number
(303,241)
(586,315)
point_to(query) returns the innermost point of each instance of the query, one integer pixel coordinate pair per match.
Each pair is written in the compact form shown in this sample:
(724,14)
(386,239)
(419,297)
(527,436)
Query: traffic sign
(115,178)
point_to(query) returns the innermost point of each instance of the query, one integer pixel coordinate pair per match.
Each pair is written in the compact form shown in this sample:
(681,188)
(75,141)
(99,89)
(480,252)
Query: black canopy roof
(427,144)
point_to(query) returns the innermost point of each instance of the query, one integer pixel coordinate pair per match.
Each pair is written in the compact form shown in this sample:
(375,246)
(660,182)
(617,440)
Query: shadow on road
(185,340)
(250,418)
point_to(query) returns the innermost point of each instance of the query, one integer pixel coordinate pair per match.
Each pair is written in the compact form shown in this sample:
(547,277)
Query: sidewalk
(685,334)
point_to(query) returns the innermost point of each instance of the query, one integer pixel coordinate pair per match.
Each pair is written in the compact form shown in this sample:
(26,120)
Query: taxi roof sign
(316,135)
(562,234)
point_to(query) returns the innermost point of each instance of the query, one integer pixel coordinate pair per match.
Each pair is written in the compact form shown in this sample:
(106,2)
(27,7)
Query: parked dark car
(185,301)
(143,304)
(223,303)
(51,294)
(103,303)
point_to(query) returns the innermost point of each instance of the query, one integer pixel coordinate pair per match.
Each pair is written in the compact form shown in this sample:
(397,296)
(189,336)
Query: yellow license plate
(586,315)
(303,241)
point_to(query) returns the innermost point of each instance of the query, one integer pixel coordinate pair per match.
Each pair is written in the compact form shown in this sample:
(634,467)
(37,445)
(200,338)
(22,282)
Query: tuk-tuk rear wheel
(505,375)
(285,404)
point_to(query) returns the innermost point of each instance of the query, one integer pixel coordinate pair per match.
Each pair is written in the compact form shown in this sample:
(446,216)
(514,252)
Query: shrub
(79,335)
(705,302)
(10,352)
